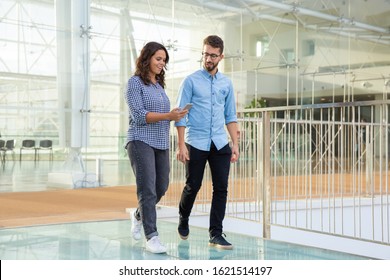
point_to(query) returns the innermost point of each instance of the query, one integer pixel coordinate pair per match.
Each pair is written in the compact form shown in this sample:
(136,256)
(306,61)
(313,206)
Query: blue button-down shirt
(142,99)
(213,107)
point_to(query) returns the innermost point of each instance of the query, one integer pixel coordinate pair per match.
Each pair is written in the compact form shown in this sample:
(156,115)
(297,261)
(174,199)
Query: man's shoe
(154,245)
(136,226)
(220,242)
(183,228)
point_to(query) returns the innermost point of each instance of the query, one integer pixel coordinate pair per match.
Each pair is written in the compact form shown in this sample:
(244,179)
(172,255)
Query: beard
(210,66)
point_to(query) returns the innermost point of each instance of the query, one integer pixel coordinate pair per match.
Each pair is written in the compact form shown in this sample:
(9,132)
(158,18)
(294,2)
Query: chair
(2,145)
(27,145)
(9,147)
(45,145)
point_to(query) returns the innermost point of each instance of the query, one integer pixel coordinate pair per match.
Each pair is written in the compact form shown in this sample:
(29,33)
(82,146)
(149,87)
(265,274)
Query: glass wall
(64,64)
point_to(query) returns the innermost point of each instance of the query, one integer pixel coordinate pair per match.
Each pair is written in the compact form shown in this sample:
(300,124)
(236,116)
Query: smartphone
(188,106)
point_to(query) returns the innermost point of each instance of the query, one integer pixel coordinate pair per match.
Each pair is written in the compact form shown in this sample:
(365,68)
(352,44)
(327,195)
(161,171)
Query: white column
(73,77)
(73,81)
(80,73)
(64,42)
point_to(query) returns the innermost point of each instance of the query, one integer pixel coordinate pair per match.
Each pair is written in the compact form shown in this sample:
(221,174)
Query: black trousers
(219,162)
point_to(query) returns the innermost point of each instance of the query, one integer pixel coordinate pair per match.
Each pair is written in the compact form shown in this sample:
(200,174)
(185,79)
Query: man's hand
(182,154)
(235,153)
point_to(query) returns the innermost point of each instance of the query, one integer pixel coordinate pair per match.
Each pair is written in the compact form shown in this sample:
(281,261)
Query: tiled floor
(110,240)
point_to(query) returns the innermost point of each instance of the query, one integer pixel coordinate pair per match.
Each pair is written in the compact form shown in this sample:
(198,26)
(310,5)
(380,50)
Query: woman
(148,139)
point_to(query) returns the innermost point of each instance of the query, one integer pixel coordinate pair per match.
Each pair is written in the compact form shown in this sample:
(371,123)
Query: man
(202,138)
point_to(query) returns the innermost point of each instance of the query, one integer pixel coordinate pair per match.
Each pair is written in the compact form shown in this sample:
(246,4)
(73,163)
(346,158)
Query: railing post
(266,166)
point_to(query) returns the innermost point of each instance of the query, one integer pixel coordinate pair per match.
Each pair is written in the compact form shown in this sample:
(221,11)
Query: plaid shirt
(142,99)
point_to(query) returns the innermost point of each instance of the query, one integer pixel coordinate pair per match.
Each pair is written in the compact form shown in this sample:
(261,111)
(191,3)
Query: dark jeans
(219,162)
(151,170)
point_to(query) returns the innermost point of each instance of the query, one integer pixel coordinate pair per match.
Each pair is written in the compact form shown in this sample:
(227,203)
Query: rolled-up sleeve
(184,97)
(135,103)
(230,106)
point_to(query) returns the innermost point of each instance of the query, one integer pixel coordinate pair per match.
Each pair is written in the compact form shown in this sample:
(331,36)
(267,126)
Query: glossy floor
(110,240)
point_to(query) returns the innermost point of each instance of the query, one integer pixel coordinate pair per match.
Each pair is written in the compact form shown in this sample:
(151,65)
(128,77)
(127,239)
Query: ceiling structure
(370,20)
(365,20)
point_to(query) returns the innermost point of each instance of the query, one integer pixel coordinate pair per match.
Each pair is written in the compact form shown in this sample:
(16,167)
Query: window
(262,46)
(287,56)
(308,47)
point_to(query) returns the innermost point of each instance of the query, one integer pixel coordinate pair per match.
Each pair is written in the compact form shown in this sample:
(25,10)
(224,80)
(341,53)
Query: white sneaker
(154,245)
(136,227)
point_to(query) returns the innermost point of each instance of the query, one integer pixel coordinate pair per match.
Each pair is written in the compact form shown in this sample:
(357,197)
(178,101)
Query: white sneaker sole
(162,251)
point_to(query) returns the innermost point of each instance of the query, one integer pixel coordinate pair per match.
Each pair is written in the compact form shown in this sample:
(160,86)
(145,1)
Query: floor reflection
(110,240)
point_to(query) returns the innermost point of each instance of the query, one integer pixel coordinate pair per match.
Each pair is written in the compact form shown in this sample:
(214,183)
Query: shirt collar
(208,75)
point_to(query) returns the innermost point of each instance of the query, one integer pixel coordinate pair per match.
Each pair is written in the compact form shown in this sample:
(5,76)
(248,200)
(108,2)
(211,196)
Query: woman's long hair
(143,63)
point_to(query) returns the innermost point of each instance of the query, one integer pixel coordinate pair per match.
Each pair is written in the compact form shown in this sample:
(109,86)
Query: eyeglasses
(211,55)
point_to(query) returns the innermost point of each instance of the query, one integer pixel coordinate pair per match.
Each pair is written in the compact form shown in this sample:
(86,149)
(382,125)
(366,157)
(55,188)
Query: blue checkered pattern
(142,99)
